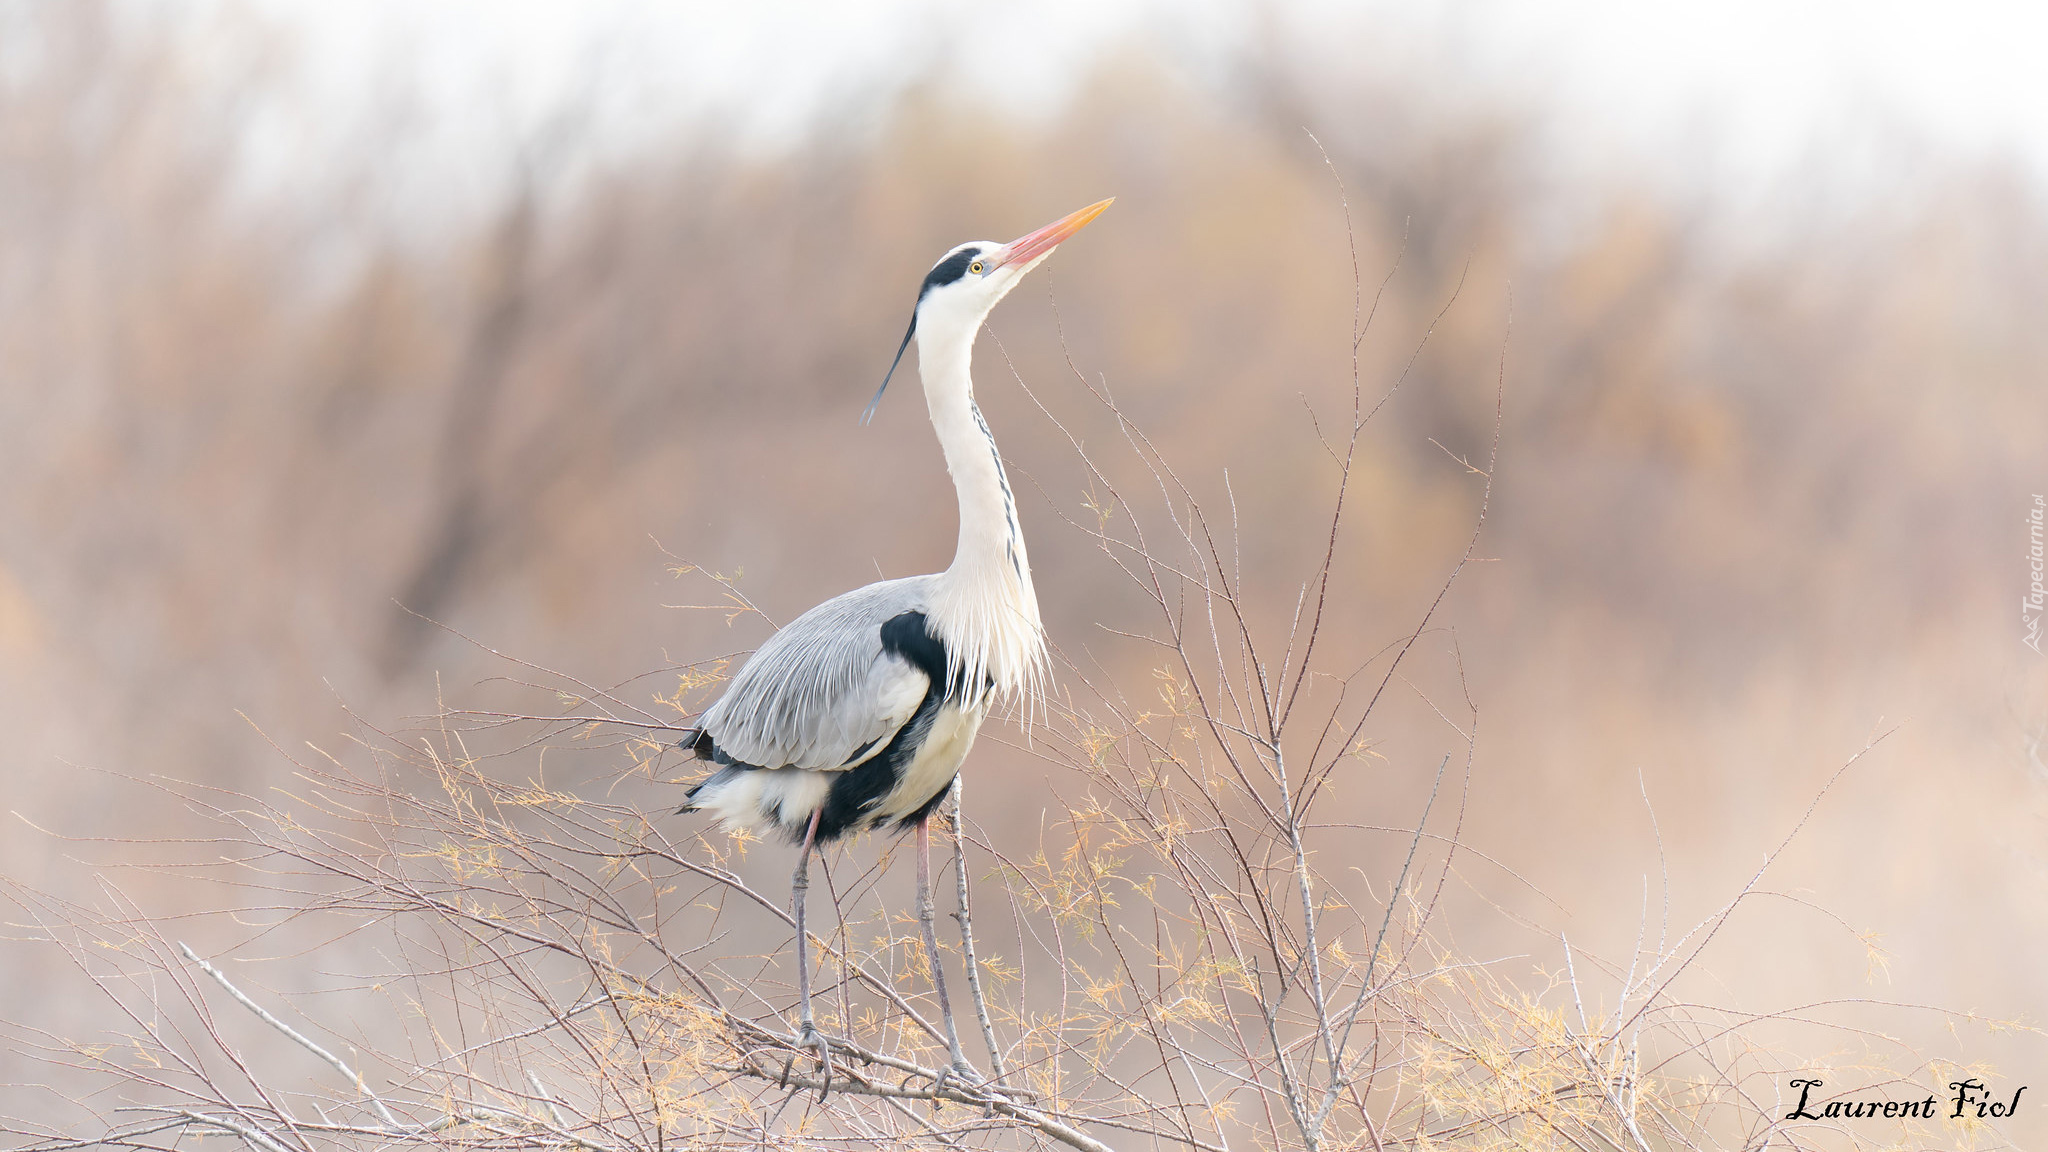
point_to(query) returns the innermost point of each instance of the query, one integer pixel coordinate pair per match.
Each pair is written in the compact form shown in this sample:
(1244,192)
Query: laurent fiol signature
(1971,1100)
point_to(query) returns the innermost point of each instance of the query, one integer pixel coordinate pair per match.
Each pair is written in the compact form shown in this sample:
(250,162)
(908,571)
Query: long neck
(987,609)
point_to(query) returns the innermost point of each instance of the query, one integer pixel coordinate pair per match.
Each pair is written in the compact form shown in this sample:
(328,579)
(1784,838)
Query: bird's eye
(976,267)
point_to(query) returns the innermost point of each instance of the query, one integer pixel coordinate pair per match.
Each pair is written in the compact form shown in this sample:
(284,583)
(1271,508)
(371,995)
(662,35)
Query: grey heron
(858,714)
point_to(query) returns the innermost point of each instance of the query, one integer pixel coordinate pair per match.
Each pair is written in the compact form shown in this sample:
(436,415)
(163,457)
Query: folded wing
(822,693)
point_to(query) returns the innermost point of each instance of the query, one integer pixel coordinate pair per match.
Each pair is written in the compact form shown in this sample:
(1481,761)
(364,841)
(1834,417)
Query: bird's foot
(808,1036)
(959,1071)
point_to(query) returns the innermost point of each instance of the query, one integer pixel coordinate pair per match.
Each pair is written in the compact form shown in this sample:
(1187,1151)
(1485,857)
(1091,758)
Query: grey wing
(823,693)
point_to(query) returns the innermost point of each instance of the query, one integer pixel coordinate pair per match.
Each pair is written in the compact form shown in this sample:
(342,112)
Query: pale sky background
(1742,92)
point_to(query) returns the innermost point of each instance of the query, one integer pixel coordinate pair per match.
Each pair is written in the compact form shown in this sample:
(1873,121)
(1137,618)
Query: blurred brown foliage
(1761,488)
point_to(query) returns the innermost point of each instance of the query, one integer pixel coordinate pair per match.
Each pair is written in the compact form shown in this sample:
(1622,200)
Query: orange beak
(1032,245)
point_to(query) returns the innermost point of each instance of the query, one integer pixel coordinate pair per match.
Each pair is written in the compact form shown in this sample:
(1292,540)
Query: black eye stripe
(948,270)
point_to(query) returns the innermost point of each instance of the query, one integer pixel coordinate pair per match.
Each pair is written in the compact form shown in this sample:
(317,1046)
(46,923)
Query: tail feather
(698,743)
(712,782)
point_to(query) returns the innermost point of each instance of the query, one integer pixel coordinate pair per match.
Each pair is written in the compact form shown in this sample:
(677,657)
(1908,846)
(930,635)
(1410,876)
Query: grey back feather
(821,693)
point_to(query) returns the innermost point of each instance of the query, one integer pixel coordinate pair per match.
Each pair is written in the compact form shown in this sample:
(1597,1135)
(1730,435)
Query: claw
(970,1079)
(810,1037)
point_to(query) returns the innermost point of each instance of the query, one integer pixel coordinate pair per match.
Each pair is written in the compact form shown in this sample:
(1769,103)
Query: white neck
(986,612)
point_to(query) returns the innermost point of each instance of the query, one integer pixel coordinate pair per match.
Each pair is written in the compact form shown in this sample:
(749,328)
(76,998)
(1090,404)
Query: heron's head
(967,282)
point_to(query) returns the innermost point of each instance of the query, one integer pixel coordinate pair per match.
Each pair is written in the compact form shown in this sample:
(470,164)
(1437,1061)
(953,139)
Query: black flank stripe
(850,803)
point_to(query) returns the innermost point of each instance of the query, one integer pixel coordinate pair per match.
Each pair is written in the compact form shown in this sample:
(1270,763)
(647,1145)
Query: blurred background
(319,322)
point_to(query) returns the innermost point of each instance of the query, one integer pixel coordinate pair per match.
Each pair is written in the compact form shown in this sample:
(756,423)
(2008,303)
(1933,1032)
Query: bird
(858,714)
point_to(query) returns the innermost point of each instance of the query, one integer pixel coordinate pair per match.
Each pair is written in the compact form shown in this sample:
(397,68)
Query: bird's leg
(799,888)
(925,918)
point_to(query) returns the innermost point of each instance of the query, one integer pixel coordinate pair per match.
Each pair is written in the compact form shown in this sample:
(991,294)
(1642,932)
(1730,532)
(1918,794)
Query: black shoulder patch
(948,270)
(905,635)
